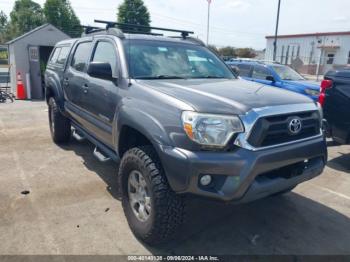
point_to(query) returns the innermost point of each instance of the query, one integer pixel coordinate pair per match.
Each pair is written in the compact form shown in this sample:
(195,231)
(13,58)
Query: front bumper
(243,175)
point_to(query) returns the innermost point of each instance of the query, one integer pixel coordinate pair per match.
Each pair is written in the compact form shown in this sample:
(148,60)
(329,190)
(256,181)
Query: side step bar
(77,136)
(101,151)
(100,156)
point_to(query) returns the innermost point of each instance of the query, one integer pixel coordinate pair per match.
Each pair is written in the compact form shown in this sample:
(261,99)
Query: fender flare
(142,122)
(53,86)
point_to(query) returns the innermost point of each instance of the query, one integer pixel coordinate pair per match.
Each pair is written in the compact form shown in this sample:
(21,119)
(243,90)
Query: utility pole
(209,2)
(276,31)
(320,60)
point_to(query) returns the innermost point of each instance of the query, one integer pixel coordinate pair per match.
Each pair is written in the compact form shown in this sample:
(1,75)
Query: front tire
(60,127)
(152,209)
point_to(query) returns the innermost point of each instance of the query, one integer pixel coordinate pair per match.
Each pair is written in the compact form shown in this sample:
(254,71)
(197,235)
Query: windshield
(287,73)
(168,60)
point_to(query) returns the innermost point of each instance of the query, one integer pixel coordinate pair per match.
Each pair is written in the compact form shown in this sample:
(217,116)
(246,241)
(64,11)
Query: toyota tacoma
(180,123)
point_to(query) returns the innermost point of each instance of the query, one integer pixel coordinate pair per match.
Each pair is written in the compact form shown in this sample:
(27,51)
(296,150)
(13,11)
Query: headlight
(312,92)
(211,130)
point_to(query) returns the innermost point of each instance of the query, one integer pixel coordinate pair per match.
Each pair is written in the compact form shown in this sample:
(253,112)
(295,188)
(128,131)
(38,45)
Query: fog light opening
(205,180)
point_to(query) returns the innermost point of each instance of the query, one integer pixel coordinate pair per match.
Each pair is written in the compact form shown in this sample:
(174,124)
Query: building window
(287,56)
(4,57)
(330,59)
(282,53)
(349,57)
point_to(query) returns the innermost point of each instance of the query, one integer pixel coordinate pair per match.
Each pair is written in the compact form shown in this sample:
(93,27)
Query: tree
(25,16)
(214,49)
(3,21)
(3,27)
(134,12)
(61,14)
(245,52)
(227,51)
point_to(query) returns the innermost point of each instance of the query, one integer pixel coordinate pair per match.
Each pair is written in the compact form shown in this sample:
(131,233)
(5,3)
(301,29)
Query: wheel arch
(54,89)
(131,123)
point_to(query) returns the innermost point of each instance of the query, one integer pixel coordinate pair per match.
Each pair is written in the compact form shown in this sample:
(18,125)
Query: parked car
(277,75)
(335,99)
(180,123)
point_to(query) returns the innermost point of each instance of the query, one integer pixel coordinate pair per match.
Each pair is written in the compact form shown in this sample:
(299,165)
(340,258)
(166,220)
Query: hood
(303,84)
(225,96)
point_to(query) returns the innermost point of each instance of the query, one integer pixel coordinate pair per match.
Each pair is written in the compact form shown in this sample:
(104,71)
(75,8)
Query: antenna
(132,28)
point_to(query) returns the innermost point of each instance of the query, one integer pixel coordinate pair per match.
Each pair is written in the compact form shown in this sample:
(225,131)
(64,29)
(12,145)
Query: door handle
(66,82)
(85,88)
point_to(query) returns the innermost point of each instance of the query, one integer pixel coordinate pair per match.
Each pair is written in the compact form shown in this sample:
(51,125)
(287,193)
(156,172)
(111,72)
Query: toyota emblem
(294,126)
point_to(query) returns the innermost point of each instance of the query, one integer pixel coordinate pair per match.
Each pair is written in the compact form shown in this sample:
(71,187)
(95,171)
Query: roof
(188,40)
(310,34)
(33,31)
(146,37)
(67,42)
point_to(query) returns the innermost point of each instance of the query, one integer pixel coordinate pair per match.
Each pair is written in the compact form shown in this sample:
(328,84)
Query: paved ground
(73,205)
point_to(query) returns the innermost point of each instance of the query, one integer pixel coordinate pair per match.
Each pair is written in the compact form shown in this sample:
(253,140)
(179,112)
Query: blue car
(277,75)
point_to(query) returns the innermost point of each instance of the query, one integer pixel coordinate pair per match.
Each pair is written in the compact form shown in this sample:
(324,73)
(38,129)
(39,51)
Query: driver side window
(105,52)
(260,72)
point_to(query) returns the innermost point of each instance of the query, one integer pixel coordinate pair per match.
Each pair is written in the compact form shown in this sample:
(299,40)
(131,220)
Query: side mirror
(234,69)
(100,70)
(270,78)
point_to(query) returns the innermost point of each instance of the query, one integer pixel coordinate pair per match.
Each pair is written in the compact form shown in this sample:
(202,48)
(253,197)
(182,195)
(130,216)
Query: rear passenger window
(260,72)
(105,52)
(55,55)
(63,55)
(244,70)
(81,56)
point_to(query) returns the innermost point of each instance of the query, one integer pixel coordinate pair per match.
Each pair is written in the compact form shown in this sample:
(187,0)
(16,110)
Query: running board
(78,137)
(100,156)
(101,147)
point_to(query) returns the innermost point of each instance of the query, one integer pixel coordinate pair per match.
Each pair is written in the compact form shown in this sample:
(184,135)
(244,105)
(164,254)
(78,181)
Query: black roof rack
(128,31)
(91,29)
(130,28)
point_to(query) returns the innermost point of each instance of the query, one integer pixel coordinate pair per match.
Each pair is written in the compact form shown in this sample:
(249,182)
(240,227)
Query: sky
(239,23)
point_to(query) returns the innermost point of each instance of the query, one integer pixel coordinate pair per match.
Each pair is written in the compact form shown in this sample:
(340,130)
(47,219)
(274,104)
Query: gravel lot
(73,204)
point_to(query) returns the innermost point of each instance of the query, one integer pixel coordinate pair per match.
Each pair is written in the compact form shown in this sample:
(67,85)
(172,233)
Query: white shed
(28,55)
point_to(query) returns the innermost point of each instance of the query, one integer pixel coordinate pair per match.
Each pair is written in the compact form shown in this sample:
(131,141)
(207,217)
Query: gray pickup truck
(180,123)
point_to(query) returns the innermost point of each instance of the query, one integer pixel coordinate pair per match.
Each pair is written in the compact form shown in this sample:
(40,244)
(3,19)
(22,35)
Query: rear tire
(60,127)
(163,209)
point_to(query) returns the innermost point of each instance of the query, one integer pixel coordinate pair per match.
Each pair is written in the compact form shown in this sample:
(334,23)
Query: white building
(308,52)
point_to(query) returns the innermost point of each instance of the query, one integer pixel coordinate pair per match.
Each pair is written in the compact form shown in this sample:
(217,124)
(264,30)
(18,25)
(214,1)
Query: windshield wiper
(209,77)
(160,77)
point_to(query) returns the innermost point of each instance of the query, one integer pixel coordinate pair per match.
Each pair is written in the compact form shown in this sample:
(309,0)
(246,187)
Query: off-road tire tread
(170,206)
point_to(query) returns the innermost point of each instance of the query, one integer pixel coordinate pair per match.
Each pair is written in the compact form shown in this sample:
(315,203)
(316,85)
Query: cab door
(75,83)
(101,101)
